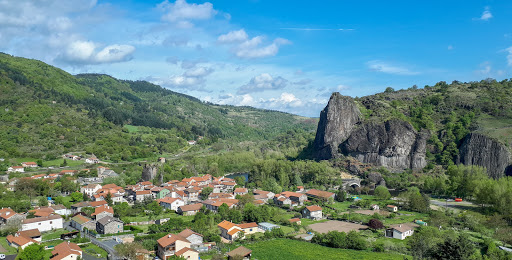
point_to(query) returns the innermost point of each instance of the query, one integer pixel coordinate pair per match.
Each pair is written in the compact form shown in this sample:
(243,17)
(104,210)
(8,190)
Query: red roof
(313,208)
(143,192)
(320,193)
(170,239)
(103,208)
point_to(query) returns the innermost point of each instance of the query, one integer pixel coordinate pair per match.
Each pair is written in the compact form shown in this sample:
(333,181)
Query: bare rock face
(478,149)
(149,172)
(393,144)
(337,121)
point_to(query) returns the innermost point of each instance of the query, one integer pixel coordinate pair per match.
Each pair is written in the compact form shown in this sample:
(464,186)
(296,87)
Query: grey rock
(478,149)
(393,144)
(337,121)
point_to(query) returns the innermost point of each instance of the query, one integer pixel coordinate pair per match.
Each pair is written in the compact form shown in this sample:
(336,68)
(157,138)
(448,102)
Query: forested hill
(46,111)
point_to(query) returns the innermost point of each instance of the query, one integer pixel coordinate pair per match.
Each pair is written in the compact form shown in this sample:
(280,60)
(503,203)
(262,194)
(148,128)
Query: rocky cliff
(394,144)
(337,120)
(478,149)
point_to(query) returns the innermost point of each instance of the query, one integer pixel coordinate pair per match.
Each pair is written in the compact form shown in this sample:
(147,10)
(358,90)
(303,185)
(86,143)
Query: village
(93,223)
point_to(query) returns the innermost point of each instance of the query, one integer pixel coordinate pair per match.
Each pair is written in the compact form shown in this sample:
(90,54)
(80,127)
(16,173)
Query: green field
(54,234)
(94,250)
(285,249)
(131,128)
(142,218)
(10,250)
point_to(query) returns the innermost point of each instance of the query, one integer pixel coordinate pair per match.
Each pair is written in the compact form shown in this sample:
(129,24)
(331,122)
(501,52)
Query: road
(455,206)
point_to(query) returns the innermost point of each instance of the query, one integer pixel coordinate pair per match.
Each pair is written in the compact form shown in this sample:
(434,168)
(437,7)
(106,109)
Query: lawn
(10,250)
(399,219)
(287,249)
(59,161)
(93,250)
(131,128)
(341,206)
(54,234)
(306,221)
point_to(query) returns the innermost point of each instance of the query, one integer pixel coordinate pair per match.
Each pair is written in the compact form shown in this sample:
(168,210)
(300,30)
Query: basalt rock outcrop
(478,149)
(393,144)
(337,121)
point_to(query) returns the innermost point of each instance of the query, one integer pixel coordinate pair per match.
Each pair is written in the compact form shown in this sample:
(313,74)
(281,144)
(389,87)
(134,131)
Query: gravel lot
(335,225)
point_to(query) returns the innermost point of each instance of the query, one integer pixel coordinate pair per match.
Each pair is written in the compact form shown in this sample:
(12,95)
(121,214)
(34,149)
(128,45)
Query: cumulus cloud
(233,36)
(181,12)
(261,83)
(486,15)
(251,48)
(193,78)
(285,100)
(84,52)
(381,66)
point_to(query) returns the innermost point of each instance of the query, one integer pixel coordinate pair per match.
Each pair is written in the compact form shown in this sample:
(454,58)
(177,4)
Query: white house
(43,223)
(392,208)
(312,212)
(400,231)
(171,203)
(92,159)
(29,164)
(16,169)
(90,189)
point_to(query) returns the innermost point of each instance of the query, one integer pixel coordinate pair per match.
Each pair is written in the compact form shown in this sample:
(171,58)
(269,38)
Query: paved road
(456,206)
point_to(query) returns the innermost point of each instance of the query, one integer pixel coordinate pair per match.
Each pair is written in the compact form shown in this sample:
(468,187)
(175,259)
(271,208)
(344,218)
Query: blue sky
(281,55)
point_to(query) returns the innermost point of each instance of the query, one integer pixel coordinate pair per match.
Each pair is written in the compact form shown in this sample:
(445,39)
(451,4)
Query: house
(240,191)
(300,188)
(265,226)
(244,252)
(312,212)
(392,208)
(249,228)
(177,245)
(171,203)
(161,160)
(192,194)
(400,231)
(66,251)
(29,164)
(68,172)
(106,172)
(189,210)
(42,223)
(230,231)
(42,211)
(77,207)
(16,169)
(192,142)
(375,207)
(103,211)
(109,225)
(290,198)
(320,194)
(7,216)
(296,221)
(195,239)
(31,233)
(214,205)
(90,189)
(263,195)
(20,241)
(140,196)
(92,159)
(82,222)
(61,210)
(159,192)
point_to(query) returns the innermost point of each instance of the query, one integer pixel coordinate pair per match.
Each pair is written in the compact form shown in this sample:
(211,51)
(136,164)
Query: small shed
(240,251)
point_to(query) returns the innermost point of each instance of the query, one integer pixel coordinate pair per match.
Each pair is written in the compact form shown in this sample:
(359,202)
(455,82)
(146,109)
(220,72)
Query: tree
(206,192)
(128,250)
(32,252)
(76,196)
(42,201)
(85,197)
(39,163)
(88,210)
(375,224)
(454,248)
(108,199)
(389,90)
(341,196)
(64,163)
(382,193)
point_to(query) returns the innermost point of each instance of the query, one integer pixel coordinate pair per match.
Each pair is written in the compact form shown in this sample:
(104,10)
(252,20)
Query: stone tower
(149,172)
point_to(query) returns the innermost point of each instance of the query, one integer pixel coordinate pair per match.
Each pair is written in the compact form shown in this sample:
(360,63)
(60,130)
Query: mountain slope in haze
(46,111)
(468,123)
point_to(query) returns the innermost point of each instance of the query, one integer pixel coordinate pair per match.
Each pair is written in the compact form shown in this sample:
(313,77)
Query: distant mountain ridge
(46,111)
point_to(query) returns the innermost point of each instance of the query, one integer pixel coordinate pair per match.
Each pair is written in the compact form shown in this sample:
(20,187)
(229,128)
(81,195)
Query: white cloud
(384,67)
(194,78)
(251,48)
(247,100)
(509,56)
(286,99)
(303,82)
(84,52)
(486,15)
(182,12)
(261,83)
(233,36)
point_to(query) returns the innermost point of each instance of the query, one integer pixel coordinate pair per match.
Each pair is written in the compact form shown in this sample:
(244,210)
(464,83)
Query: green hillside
(448,111)
(46,112)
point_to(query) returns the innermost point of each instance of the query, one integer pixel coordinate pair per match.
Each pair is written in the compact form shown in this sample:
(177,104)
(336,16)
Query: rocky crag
(395,144)
(478,149)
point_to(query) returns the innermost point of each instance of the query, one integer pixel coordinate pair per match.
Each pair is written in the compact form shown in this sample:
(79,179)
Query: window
(39,223)
(50,222)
